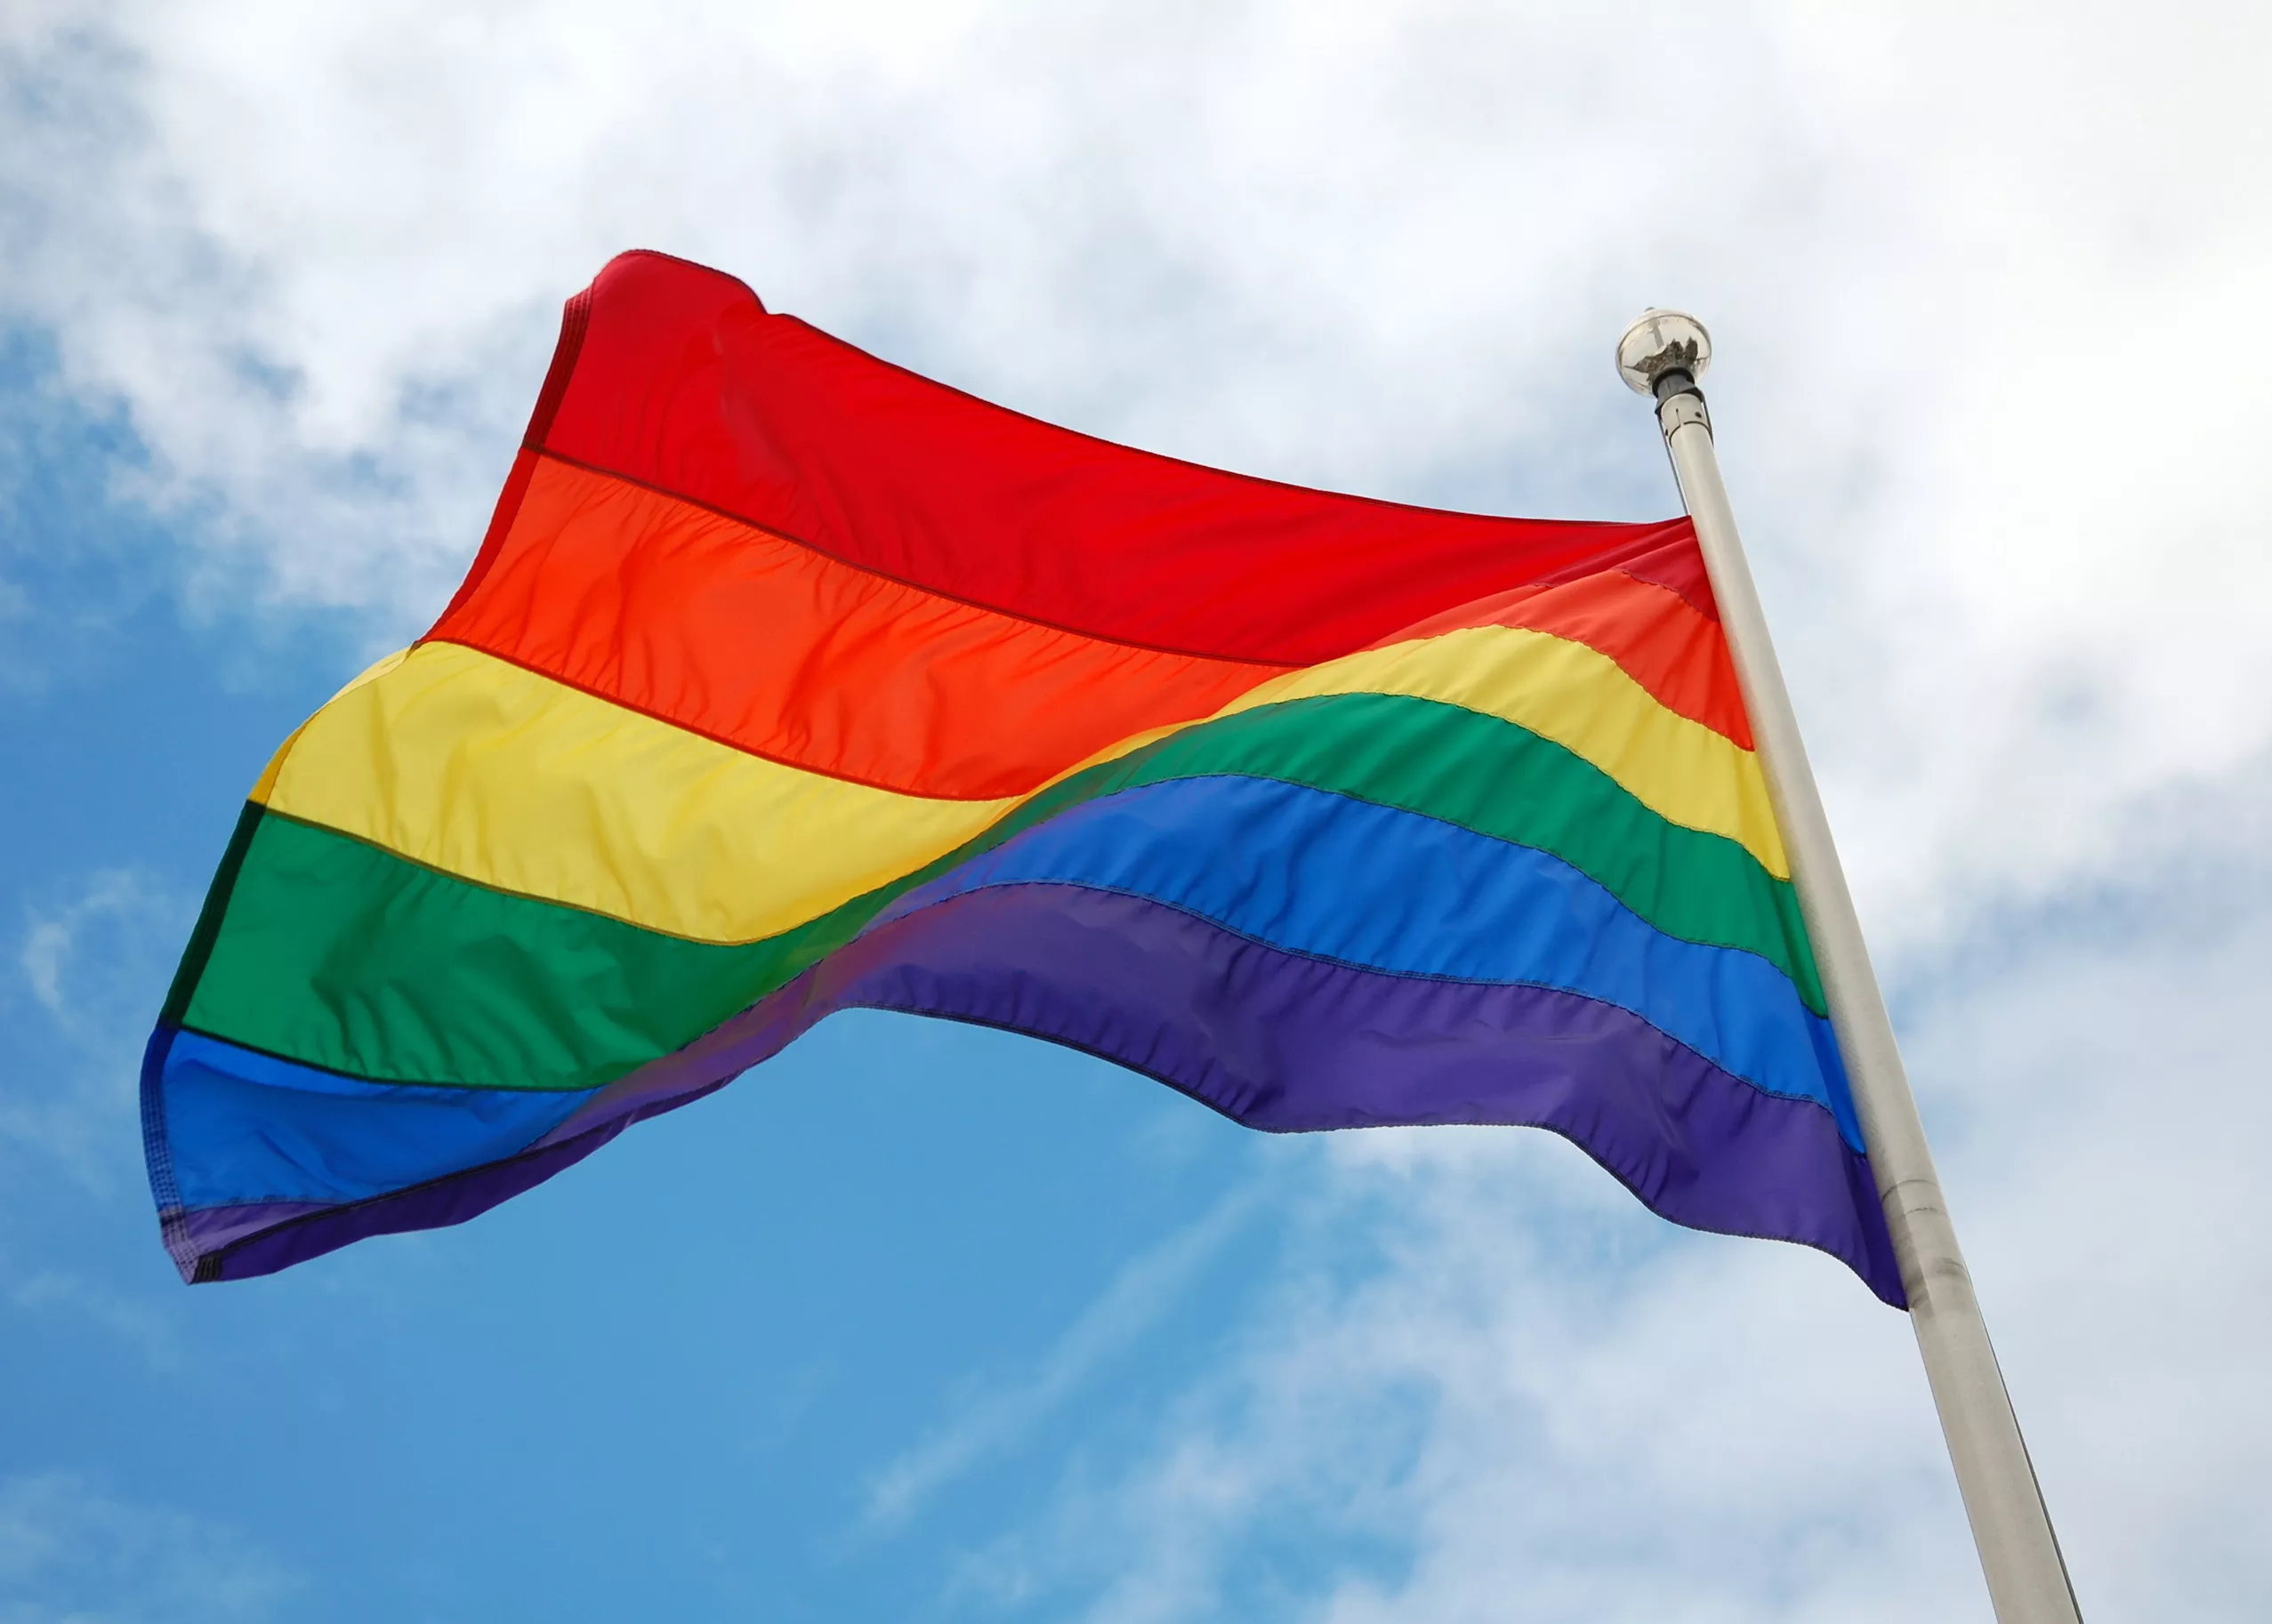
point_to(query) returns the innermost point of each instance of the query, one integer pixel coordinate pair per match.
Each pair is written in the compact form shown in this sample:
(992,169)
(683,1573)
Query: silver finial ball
(1660,342)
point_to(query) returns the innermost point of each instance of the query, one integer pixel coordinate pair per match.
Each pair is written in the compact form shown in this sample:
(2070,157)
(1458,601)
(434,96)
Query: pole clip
(1679,403)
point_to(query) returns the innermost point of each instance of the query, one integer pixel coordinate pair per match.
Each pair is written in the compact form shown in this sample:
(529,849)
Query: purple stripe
(206,1229)
(1273,1040)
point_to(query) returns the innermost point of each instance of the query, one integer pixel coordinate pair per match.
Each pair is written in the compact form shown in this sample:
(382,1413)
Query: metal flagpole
(1663,355)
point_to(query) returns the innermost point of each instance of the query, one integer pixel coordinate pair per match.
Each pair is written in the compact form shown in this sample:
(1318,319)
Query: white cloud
(94,961)
(71,1555)
(1971,276)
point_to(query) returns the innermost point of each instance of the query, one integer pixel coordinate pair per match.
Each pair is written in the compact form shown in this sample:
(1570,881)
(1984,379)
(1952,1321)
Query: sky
(931,1323)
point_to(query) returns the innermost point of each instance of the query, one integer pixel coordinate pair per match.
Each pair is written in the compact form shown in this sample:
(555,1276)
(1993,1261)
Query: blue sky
(928,1323)
(905,1247)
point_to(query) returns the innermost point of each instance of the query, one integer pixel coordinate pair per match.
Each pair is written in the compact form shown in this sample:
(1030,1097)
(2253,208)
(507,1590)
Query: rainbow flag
(786,682)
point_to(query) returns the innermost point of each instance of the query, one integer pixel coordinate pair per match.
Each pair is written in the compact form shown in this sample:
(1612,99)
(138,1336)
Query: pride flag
(786,682)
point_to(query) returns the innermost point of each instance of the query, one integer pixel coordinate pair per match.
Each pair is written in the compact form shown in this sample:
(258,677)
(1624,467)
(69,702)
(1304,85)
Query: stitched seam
(1429,976)
(870,570)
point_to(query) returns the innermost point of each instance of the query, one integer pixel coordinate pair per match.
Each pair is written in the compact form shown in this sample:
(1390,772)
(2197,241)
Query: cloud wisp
(69,1552)
(93,963)
(1140,1294)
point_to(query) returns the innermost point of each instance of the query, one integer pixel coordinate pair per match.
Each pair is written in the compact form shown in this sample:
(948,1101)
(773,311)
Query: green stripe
(1488,774)
(192,967)
(342,955)
(338,954)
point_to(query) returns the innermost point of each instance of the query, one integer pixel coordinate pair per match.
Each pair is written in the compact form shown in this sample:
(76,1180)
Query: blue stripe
(1320,873)
(244,1127)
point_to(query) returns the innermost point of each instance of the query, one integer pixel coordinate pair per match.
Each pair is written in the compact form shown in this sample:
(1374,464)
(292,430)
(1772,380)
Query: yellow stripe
(1582,700)
(468,764)
(370,673)
(471,765)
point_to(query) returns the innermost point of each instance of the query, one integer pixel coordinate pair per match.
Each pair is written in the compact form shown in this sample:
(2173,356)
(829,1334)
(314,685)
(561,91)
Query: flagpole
(1663,355)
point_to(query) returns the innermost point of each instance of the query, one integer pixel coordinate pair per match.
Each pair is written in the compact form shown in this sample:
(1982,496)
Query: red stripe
(684,381)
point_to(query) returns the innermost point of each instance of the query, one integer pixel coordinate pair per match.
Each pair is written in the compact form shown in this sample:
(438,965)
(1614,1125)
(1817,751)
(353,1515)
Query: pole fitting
(1663,355)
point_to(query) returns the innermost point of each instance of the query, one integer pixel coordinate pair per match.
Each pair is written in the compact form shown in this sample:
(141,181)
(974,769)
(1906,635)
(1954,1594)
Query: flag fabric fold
(786,682)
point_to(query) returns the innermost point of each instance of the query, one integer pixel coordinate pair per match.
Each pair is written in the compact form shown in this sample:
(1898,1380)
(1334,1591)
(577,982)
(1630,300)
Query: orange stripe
(757,642)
